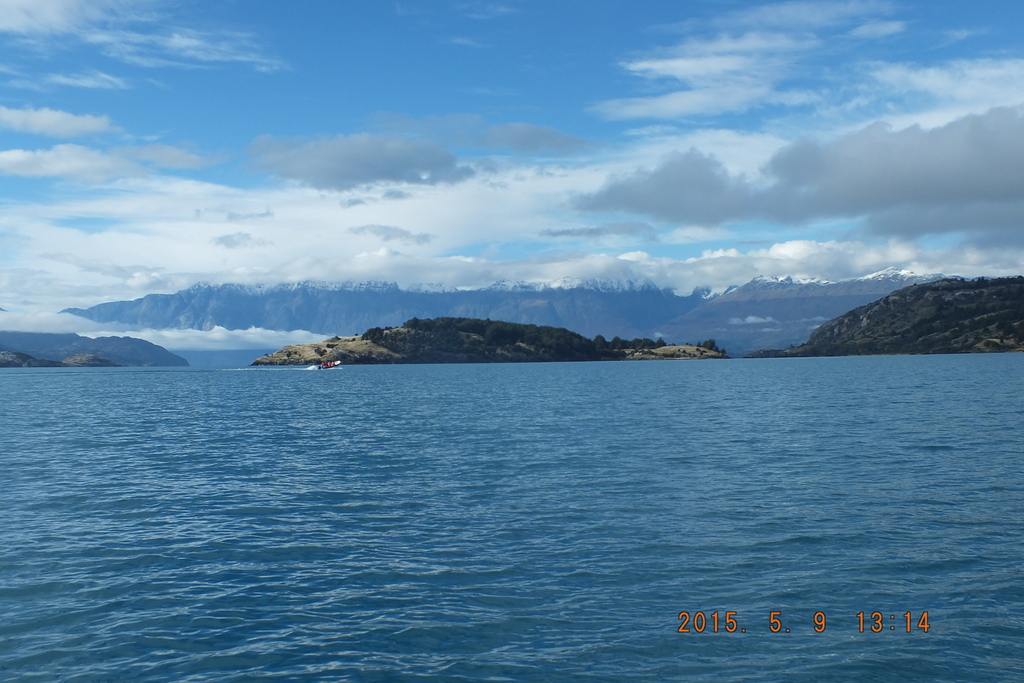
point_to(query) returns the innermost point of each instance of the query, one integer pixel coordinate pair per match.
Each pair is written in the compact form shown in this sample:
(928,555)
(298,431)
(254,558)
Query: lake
(528,522)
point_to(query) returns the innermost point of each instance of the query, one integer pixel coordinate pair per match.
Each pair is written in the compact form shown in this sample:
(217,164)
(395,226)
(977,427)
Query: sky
(147,145)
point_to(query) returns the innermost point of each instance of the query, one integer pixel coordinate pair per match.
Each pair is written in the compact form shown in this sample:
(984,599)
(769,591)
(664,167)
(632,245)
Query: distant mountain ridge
(625,309)
(763,313)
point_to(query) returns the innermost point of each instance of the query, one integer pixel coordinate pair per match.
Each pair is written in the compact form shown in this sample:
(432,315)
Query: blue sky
(146,145)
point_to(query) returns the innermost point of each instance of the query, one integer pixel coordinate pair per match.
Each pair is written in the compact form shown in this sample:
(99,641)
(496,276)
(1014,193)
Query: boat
(327,365)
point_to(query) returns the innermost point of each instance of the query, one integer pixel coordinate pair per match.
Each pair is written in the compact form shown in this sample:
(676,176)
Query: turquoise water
(514,522)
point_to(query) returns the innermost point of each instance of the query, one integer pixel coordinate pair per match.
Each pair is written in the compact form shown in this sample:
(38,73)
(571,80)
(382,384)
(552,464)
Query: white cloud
(110,26)
(965,86)
(751,320)
(94,80)
(805,14)
(48,322)
(52,123)
(87,165)
(181,47)
(719,75)
(218,338)
(772,55)
(73,162)
(878,29)
(55,16)
(195,340)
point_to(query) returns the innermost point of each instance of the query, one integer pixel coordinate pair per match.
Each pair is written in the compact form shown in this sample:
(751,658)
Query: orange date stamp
(871,622)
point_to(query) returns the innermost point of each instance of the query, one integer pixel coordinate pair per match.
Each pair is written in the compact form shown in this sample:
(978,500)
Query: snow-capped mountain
(767,312)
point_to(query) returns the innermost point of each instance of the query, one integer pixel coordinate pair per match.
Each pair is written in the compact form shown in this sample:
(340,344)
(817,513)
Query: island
(471,340)
(947,316)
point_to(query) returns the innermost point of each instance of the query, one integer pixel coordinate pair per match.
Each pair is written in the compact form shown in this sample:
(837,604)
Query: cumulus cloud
(687,187)
(53,123)
(388,233)
(972,160)
(528,138)
(348,161)
(964,176)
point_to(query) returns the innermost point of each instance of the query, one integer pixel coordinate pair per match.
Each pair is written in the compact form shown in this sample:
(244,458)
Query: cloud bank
(963,176)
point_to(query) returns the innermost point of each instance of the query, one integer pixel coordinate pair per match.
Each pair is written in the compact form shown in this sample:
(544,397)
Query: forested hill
(947,316)
(471,340)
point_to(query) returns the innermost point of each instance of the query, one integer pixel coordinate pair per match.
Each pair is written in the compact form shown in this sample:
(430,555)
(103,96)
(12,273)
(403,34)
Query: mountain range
(763,313)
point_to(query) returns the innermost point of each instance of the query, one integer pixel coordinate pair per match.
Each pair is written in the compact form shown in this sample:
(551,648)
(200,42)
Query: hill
(111,350)
(948,316)
(770,312)
(468,340)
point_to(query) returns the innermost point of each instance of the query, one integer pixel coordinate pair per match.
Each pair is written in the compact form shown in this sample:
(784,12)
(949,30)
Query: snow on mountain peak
(600,285)
(767,281)
(894,273)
